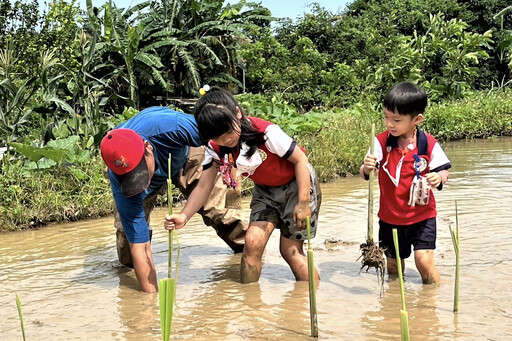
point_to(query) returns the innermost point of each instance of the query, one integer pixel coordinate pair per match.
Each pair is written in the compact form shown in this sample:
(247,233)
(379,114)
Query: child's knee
(424,258)
(291,249)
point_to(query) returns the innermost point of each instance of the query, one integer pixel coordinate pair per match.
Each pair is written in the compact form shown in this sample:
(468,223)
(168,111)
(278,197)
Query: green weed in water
(18,304)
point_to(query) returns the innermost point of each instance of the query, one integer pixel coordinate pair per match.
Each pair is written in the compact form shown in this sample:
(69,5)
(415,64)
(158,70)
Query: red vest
(274,170)
(394,208)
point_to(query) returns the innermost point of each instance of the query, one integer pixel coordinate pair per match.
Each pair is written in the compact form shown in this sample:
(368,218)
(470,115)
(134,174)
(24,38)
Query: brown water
(70,288)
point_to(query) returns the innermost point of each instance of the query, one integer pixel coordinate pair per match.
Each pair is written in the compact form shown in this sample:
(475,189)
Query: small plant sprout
(18,304)
(167,286)
(456,245)
(404,317)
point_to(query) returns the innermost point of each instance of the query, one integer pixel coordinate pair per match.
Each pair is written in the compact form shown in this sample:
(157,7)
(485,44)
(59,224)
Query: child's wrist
(303,202)
(184,217)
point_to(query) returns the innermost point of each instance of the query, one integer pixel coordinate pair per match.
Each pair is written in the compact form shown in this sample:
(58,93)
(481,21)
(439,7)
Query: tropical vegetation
(67,75)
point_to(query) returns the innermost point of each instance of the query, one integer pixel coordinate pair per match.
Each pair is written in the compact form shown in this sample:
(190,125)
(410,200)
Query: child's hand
(300,213)
(175,221)
(370,162)
(433,179)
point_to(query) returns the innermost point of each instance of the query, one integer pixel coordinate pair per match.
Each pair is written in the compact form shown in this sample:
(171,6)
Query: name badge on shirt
(247,166)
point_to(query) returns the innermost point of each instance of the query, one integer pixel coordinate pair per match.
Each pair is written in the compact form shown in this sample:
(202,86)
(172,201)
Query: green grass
(37,198)
(339,147)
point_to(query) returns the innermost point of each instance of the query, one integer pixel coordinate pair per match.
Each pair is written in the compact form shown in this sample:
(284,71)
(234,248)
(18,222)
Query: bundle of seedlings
(372,255)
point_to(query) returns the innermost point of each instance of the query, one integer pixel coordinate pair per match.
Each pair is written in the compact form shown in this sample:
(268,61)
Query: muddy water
(71,289)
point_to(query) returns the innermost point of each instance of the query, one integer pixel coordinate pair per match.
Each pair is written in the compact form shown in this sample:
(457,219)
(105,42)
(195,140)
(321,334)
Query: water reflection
(137,312)
(384,322)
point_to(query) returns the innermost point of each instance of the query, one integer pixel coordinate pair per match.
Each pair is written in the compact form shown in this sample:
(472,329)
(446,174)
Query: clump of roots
(373,257)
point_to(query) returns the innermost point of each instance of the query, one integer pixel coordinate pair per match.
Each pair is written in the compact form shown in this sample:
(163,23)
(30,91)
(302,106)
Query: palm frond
(149,59)
(189,62)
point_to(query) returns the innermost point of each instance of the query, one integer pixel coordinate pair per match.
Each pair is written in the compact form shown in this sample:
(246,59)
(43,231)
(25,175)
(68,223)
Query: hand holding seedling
(370,163)
(300,213)
(175,221)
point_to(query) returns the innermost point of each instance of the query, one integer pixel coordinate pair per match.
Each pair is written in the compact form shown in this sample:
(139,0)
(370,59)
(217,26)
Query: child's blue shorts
(421,235)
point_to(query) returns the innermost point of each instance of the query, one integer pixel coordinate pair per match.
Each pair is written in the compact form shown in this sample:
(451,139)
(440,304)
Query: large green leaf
(68,143)
(57,150)
(35,153)
(61,131)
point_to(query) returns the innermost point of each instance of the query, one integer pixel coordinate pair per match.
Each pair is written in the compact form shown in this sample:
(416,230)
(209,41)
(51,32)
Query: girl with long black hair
(286,188)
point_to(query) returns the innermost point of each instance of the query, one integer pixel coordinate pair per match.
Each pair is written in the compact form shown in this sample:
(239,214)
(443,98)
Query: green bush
(482,114)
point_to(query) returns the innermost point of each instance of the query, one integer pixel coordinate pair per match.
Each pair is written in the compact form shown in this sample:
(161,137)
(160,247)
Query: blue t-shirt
(167,131)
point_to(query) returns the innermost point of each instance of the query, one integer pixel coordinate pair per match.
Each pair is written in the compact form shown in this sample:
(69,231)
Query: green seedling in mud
(404,317)
(455,240)
(167,290)
(18,304)
(311,279)
(373,256)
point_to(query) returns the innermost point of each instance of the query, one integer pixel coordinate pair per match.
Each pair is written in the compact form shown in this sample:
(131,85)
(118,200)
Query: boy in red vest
(410,164)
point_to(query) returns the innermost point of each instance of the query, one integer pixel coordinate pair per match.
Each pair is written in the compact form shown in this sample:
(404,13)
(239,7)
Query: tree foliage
(77,71)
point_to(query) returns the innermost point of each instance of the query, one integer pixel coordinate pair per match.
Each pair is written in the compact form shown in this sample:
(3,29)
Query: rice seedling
(167,290)
(18,304)
(404,317)
(455,240)
(372,255)
(311,279)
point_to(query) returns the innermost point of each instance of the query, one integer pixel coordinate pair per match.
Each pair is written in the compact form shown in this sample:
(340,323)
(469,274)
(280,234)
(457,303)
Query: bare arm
(195,201)
(302,210)
(144,266)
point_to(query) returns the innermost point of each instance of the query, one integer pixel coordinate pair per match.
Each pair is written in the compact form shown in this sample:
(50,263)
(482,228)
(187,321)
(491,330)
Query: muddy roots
(373,257)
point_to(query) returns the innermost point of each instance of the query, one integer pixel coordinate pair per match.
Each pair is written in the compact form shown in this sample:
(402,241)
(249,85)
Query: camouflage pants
(228,224)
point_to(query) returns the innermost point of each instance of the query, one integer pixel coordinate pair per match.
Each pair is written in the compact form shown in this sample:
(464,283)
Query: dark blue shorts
(421,235)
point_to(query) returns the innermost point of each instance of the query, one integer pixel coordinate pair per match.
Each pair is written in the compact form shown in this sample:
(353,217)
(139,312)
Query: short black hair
(406,98)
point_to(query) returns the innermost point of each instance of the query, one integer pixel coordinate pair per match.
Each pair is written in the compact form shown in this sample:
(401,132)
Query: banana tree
(172,46)
(214,34)
(504,42)
(127,38)
(204,39)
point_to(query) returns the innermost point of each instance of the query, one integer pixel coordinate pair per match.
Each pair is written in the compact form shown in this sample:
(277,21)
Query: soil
(373,257)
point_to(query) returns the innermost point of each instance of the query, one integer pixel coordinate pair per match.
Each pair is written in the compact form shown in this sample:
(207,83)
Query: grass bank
(33,199)
(339,147)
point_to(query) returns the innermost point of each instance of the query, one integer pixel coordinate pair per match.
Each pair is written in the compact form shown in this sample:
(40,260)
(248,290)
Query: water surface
(72,289)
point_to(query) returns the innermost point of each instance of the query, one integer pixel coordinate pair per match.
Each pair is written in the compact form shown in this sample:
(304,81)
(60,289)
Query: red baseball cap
(123,152)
